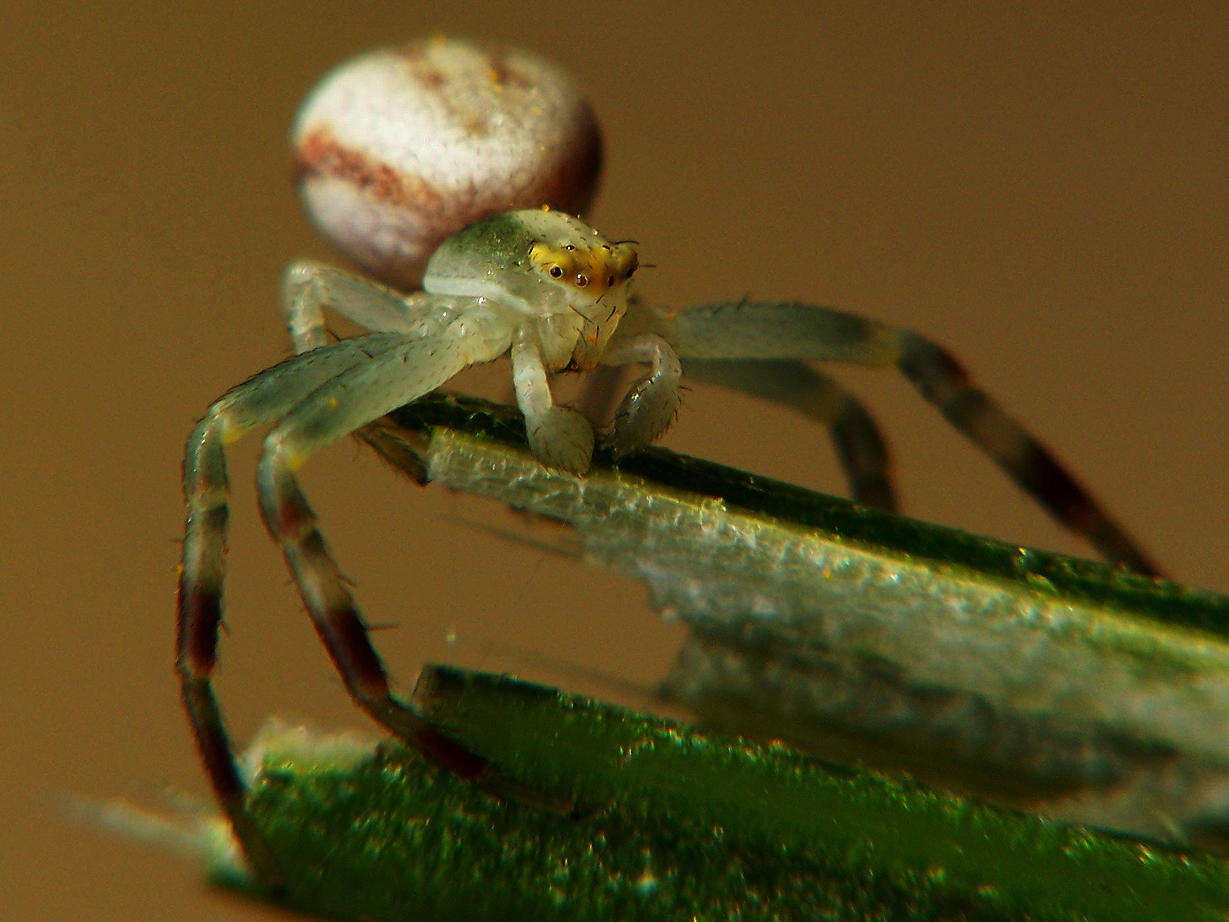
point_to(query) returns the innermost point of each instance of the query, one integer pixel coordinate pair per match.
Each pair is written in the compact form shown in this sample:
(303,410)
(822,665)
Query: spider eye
(582,280)
(569,247)
(556,272)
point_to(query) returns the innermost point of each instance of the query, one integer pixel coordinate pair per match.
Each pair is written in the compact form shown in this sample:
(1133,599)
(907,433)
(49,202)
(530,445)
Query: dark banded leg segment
(944,382)
(214,745)
(345,404)
(856,436)
(756,330)
(338,623)
(199,616)
(199,610)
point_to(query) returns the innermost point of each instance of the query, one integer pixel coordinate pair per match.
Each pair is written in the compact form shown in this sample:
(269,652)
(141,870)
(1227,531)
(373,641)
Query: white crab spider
(377,144)
(551,292)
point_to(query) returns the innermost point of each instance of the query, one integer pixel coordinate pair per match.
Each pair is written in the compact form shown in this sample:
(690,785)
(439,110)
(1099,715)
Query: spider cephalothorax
(546,266)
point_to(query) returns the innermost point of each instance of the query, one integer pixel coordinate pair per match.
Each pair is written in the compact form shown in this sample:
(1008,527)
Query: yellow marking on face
(593,270)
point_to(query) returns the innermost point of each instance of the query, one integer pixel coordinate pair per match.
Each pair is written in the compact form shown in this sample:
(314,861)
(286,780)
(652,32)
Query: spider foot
(561,438)
(645,413)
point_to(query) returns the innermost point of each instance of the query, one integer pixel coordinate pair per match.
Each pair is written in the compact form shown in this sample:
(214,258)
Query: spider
(553,293)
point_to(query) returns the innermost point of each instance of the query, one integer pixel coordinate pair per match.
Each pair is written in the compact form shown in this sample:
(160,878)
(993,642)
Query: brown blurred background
(1044,192)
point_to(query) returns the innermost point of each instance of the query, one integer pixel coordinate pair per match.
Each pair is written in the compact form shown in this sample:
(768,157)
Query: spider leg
(651,405)
(320,396)
(748,330)
(859,444)
(254,403)
(308,287)
(351,400)
(558,436)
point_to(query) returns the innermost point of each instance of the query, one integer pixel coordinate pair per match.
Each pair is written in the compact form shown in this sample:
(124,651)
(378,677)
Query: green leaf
(672,824)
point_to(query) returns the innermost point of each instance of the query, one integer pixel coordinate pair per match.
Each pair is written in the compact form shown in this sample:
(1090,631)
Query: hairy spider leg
(652,403)
(319,396)
(861,450)
(558,436)
(256,402)
(351,400)
(860,447)
(308,287)
(788,330)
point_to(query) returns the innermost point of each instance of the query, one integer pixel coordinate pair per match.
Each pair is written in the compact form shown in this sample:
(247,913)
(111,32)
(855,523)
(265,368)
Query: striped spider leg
(763,348)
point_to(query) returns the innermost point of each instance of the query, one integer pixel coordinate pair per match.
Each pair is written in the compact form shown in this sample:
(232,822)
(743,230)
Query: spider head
(547,265)
(583,277)
(538,256)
